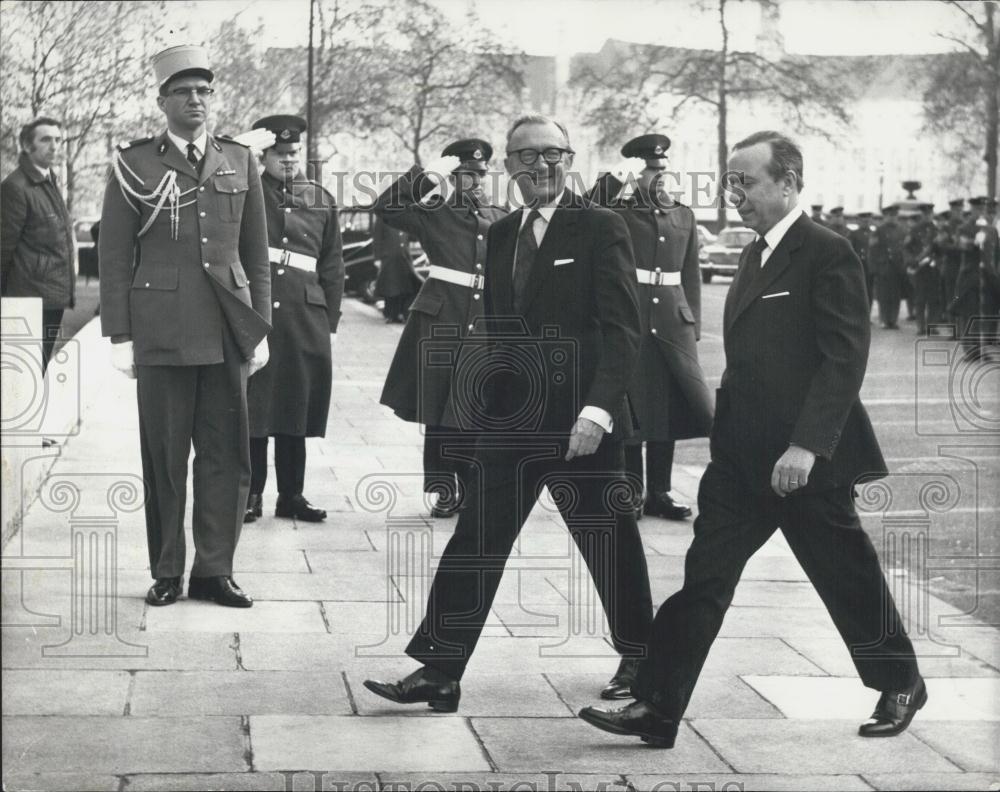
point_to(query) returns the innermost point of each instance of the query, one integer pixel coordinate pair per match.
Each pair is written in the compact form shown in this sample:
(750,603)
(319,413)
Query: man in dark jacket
(36,232)
(860,239)
(452,232)
(887,262)
(790,440)
(289,399)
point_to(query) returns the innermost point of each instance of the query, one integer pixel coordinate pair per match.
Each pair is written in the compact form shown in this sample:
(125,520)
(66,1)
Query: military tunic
(291,394)
(668,392)
(453,234)
(887,263)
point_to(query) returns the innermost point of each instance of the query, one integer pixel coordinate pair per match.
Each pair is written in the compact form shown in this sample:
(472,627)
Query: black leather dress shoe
(894,711)
(298,507)
(662,505)
(446,506)
(255,508)
(620,686)
(638,719)
(165,591)
(221,589)
(423,685)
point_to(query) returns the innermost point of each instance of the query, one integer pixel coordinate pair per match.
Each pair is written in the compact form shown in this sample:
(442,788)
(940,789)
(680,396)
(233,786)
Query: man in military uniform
(397,282)
(289,398)
(860,239)
(452,231)
(977,287)
(817,214)
(667,391)
(837,222)
(953,253)
(185,298)
(922,267)
(887,262)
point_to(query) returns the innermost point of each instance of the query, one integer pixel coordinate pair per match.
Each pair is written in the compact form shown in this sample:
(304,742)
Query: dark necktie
(192,157)
(524,260)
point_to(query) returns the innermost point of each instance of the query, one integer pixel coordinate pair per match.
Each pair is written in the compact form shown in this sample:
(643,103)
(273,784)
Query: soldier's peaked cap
(474,152)
(181,61)
(286,128)
(647,147)
(956,202)
(816,207)
(837,210)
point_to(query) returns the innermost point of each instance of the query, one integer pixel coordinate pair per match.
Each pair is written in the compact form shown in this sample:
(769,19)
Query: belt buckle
(286,256)
(478,282)
(657,278)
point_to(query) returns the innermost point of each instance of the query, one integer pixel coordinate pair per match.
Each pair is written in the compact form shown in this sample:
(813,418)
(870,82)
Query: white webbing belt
(650,278)
(454,276)
(286,258)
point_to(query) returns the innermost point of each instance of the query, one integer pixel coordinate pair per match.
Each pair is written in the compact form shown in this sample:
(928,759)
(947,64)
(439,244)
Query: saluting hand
(632,166)
(440,168)
(584,438)
(791,471)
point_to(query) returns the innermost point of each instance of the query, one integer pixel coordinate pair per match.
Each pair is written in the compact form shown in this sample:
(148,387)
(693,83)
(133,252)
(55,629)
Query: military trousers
(203,406)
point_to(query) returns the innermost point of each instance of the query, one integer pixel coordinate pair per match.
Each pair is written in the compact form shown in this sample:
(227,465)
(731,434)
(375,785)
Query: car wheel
(706,276)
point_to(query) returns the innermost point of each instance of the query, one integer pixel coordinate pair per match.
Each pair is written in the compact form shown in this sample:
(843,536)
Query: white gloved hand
(632,166)
(258,139)
(123,358)
(260,357)
(438,169)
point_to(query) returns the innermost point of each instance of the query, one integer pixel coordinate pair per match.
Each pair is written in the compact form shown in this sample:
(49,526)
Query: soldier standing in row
(887,263)
(186,300)
(667,391)
(290,398)
(860,239)
(837,222)
(452,231)
(922,267)
(953,253)
(817,214)
(977,287)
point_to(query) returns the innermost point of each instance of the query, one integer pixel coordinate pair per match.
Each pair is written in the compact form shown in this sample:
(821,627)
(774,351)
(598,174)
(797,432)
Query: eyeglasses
(551,156)
(202,92)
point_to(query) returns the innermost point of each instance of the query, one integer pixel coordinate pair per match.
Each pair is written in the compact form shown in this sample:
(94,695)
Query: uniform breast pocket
(230,195)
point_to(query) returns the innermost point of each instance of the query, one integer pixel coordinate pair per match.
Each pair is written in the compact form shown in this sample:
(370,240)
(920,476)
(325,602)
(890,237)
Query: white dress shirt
(200,143)
(599,416)
(777,233)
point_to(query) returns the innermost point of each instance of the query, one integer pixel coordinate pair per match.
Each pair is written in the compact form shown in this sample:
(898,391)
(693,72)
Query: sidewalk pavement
(103,693)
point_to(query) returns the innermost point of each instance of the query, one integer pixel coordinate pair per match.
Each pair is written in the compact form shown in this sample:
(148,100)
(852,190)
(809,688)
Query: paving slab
(713,697)
(748,782)
(737,656)
(820,747)
(830,698)
(250,782)
(47,692)
(122,745)
(397,619)
(354,743)
(60,782)
(23,648)
(306,692)
(501,782)
(201,616)
(572,746)
(933,782)
(972,746)
(758,622)
(935,659)
(318,586)
(773,568)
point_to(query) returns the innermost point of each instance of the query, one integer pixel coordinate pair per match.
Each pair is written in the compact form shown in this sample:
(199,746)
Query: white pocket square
(776,294)
(560,262)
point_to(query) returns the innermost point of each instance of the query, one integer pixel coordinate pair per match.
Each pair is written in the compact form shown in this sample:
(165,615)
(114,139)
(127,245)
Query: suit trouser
(596,503)
(826,537)
(444,473)
(927,298)
(659,464)
(289,464)
(205,406)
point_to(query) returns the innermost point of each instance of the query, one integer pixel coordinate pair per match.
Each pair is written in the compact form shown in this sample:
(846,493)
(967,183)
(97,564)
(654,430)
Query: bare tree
(962,100)
(646,85)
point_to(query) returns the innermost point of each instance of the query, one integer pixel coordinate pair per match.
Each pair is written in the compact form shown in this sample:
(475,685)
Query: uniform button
(204,240)
(281,272)
(284,240)
(653,330)
(657,269)
(287,210)
(201,189)
(147,285)
(656,300)
(480,236)
(201,214)
(206,265)
(479,266)
(663,239)
(471,327)
(475,296)
(277,304)
(235,190)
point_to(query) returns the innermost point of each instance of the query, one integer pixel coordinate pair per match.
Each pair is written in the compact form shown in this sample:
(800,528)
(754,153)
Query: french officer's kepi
(181,61)
(286,128)
(475,153)
(647,147)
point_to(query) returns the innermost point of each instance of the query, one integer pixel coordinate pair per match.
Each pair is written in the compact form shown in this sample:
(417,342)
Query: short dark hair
(27,134)
(785,154)
(537,119)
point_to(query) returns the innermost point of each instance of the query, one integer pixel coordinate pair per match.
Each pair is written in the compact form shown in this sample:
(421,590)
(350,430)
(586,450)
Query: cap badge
(285,134)
(477,154)
(658,150)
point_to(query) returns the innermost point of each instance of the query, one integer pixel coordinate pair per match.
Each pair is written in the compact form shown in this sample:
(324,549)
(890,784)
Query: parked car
(86,250)
(360,271)
(722,257)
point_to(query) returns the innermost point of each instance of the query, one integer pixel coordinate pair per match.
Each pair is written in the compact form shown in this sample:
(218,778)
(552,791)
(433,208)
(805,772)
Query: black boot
(298,507)
(255,508)
(894,711)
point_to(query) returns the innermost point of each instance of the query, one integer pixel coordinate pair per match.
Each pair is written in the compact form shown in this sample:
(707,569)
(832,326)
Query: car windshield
(736,237)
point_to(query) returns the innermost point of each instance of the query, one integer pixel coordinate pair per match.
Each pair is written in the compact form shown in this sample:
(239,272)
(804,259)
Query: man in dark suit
(790,439)
(563,332)
(186,300)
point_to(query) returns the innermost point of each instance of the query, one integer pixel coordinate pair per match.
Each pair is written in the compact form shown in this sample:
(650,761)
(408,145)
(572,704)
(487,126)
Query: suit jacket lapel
(752,285)
(558,231)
